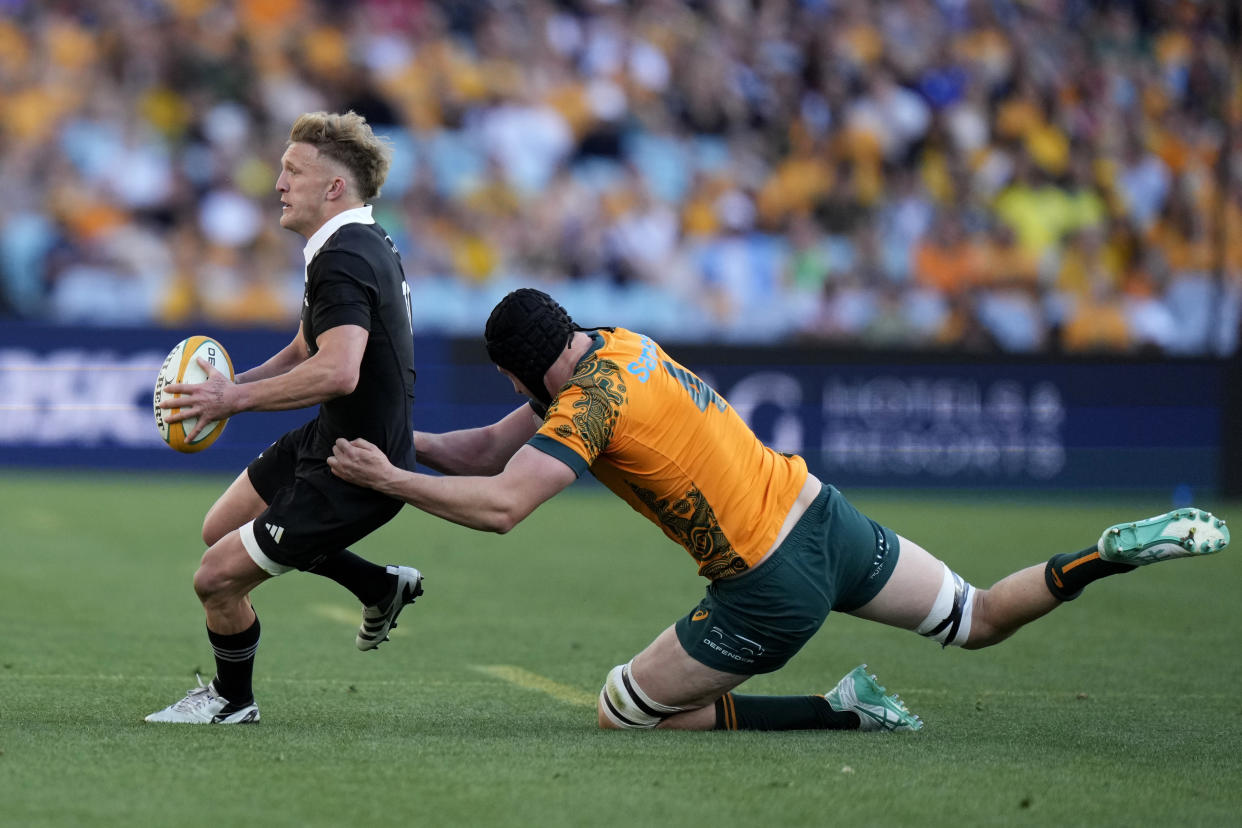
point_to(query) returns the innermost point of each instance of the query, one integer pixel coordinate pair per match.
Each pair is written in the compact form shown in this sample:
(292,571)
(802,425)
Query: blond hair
(348,140)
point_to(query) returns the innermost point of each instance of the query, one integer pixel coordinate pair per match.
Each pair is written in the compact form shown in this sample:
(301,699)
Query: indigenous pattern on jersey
(671,447)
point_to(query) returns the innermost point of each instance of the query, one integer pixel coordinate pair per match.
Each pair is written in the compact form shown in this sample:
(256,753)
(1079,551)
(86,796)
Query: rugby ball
(182,366)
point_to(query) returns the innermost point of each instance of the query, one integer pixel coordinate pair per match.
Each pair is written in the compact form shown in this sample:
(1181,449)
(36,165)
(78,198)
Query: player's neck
(331,213)
(563,368)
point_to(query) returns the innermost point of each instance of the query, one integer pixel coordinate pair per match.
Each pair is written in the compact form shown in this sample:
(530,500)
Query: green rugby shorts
(835,557)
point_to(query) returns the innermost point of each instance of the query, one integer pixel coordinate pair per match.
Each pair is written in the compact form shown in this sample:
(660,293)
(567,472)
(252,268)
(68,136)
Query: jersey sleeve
(584,417)
(340,294)
(562,452)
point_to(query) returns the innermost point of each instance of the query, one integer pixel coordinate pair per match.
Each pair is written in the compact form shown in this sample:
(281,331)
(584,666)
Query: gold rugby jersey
(672,448)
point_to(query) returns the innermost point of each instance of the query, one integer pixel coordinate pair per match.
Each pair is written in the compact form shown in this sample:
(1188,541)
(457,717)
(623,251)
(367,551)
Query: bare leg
(910,592)
(1012,602)
(667,673)
(907,598)
(694,696)
(239,505)
(223,583)
(370,583)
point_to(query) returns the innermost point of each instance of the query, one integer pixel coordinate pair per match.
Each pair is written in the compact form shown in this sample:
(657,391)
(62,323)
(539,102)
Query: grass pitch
(1119,709)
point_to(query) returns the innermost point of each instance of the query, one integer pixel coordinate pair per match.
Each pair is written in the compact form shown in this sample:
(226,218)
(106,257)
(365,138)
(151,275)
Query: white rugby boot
(203,705)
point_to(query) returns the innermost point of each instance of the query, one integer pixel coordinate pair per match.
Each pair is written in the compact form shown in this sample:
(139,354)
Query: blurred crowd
(1024,176)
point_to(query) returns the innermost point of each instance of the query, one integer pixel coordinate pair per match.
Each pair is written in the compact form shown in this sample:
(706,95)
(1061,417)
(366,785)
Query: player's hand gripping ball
(182,366)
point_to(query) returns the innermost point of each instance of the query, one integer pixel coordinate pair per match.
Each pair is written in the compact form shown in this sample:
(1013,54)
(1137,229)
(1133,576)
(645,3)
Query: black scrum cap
(525,334)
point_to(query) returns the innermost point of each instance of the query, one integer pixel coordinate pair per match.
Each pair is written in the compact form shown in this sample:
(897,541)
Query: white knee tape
(949,619)
(627,706)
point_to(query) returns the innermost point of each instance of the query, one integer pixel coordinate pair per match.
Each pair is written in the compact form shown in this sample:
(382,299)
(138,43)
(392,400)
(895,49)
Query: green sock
(734,712)
(1069,573)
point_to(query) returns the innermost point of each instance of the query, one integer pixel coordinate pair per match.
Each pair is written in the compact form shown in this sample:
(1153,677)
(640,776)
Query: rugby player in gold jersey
(779,548)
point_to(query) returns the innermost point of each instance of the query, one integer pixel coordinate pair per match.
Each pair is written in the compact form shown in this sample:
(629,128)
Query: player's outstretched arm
(477,451)
(489,504)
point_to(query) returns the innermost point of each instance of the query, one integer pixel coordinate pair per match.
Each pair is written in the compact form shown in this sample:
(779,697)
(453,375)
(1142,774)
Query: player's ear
(337,188)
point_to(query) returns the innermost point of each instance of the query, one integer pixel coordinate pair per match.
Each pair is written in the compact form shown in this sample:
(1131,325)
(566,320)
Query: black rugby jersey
(356,279)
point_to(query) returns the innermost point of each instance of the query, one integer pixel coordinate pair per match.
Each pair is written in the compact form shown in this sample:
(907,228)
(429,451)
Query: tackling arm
(477,451)
(490,504)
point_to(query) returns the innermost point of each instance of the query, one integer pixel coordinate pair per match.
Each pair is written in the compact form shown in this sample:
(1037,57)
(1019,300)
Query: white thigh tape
(949,619)
(627,706)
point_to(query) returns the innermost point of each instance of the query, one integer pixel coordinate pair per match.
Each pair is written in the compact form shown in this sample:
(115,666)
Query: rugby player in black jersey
(353,356)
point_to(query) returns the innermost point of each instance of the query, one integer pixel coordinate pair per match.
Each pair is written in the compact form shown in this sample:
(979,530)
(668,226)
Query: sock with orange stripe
(1069,573)
(734,712)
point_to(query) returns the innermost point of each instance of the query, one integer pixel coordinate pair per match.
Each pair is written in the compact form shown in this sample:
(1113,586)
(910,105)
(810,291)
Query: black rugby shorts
(311,513)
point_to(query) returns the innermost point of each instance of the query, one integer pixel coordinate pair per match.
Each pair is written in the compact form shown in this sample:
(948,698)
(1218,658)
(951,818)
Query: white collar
(357,215)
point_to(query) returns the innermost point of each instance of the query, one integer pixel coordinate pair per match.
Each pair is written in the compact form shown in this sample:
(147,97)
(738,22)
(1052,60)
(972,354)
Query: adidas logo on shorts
(277,532)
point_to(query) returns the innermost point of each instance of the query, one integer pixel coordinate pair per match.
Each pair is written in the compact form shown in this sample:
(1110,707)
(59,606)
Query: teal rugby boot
(860,692)
(1177,534)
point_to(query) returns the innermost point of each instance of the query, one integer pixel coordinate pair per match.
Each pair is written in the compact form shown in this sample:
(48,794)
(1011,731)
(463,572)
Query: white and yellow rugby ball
(182,366)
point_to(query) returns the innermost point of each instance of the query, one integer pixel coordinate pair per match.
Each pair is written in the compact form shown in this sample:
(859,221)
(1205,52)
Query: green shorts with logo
(835,557)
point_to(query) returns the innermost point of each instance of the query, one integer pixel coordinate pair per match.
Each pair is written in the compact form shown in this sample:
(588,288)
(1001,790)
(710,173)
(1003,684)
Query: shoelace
(196,697)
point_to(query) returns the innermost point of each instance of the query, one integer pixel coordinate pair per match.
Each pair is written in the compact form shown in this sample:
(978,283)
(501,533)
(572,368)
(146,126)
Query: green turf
(1120,709)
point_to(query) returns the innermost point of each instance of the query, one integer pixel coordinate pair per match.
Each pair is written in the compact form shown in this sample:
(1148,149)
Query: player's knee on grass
(952,613)
(624,706)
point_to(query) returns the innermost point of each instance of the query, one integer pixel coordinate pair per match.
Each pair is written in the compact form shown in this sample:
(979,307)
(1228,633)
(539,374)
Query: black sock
(371,583)
(734,712)
(1069,573)
(235,662)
